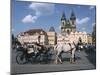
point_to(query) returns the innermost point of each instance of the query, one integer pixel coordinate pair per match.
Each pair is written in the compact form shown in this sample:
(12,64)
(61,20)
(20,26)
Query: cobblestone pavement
(84,61)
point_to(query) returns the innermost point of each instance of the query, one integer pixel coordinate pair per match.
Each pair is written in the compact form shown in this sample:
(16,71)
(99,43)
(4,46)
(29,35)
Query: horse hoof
(55,62)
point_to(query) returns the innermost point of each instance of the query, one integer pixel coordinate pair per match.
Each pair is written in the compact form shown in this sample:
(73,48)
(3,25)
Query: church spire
(63,16)
(73,21)
(73,17)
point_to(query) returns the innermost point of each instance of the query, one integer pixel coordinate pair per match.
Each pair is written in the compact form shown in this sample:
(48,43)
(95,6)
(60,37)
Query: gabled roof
(52,29)
(33,31)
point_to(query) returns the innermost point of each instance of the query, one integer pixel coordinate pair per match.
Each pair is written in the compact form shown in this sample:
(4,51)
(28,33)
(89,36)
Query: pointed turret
(52,29)
(73,17)
(63,23)
(63,16)
(63,20)
(73,21)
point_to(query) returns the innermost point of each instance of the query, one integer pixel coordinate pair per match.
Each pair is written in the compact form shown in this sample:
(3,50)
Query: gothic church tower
(73,21)
(68,26)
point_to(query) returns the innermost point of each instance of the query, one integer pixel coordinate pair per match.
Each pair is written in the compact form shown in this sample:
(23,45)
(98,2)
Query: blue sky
(31,15)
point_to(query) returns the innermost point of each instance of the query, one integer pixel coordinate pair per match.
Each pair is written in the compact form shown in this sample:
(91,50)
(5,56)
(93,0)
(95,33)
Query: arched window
(68,31)
(80,40)
(63,23)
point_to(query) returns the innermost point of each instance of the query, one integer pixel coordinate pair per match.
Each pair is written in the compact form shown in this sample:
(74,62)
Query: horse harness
(71,47)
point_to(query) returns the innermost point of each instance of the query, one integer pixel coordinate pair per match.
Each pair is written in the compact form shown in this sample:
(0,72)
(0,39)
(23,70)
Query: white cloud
(83,20)
(91,7)
(42,8)
(29,19)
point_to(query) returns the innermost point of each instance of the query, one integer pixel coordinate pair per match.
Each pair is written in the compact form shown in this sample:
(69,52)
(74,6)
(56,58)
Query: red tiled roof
(33,31)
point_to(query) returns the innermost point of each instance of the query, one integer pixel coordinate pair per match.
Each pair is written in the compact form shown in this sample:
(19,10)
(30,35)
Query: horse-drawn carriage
(33,53)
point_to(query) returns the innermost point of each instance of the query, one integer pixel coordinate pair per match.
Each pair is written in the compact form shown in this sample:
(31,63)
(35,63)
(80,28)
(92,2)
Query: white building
(83,36)
(62,39)
(72,37)
(32,36)
(52,36)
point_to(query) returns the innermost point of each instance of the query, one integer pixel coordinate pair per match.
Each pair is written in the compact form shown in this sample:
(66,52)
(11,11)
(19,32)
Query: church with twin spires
(68,25)
(69,31)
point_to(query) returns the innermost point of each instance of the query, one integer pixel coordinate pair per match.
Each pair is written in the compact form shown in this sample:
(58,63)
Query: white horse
(65,47)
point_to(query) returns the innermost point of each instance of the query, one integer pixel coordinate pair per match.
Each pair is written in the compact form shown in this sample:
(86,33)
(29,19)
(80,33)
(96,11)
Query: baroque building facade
(33,36)
(52,36)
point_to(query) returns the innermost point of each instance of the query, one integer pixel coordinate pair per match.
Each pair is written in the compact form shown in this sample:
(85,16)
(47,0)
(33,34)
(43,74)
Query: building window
(68,31)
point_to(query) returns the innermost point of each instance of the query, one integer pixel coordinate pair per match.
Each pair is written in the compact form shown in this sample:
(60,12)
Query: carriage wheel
(20,58)
(32,59)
